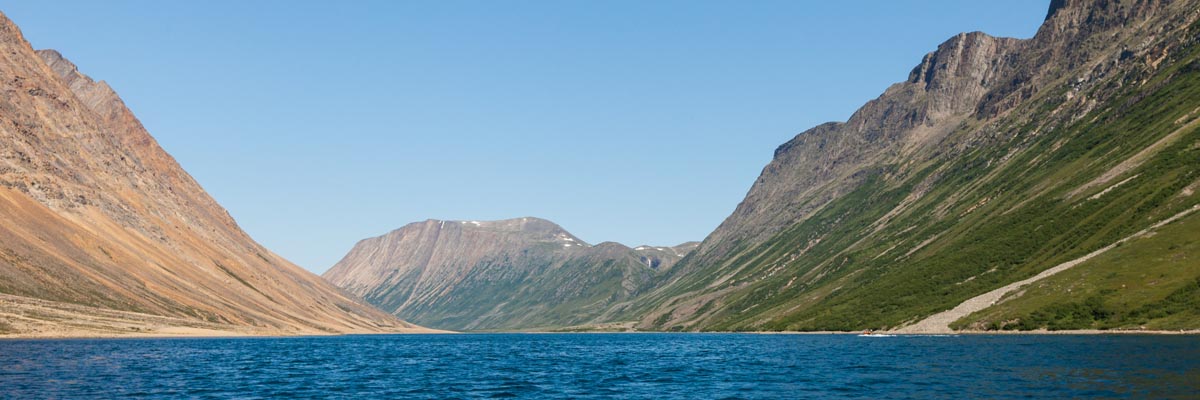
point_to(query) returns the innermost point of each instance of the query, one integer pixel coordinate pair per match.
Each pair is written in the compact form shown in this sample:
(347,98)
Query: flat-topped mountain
(103,233)
(997,159)
(522,273)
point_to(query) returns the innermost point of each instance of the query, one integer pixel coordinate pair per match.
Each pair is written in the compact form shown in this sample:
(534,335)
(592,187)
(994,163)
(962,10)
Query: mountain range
(1044,183)
(1007,184)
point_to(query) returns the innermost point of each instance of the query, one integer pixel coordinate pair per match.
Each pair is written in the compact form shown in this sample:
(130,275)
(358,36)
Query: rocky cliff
(524,273)
(997,159)
(103,233)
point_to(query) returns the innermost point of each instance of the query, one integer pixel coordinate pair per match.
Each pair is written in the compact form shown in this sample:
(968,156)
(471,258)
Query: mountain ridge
(521,273)
(96,216)
(998,159)
(811,246)
(1019,177)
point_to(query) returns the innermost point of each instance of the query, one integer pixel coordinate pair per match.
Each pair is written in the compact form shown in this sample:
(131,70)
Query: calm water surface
(651,366)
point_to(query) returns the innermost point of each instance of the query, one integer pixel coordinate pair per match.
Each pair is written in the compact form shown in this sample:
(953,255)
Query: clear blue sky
(318,124)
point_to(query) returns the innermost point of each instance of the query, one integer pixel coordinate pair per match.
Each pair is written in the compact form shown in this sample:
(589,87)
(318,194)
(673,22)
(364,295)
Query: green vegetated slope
(1151,282)
(540,291)
(1105,145)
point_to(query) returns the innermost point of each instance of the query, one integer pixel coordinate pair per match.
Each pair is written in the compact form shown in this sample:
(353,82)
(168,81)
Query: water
(652,366)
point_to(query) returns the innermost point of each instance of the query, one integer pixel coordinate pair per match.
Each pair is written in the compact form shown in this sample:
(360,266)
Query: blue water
(651,366)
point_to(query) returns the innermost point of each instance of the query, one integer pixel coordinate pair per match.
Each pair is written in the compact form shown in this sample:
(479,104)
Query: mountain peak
(523,224)
(530,229)
(9,32)
(1068,18)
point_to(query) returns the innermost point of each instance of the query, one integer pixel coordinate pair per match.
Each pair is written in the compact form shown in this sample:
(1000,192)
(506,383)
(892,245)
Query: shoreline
(1037,332)
(1084,332)
(209,334)
(201,333)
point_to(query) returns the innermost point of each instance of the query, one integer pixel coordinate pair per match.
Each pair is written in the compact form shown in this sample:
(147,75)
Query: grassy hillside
(1151,282)
(502,294)
(1068,172)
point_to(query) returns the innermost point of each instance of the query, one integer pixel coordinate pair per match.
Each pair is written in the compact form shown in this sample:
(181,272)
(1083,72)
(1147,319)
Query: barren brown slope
(95,215)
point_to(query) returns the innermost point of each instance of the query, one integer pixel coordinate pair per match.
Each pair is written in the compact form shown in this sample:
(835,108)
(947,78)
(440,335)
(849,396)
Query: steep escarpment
(524,273)
(825,162)
(997,159)
(103,233)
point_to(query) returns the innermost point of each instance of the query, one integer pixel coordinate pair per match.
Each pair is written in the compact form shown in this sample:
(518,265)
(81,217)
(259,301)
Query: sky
(318,124)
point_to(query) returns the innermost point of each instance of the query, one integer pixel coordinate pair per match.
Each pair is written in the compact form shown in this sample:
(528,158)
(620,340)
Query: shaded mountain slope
(94,215)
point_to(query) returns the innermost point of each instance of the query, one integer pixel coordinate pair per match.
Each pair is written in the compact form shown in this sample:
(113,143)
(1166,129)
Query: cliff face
(935,190)
(908,121)
(102,232)
(524,273)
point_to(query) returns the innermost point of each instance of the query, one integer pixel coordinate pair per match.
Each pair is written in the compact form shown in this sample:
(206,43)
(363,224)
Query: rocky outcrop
(524,273)
(94,215)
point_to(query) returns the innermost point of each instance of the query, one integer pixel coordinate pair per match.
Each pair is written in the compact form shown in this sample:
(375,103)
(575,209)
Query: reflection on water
(606,366)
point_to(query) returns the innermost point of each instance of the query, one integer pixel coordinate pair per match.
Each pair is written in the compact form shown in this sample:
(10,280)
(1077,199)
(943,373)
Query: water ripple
(595,366)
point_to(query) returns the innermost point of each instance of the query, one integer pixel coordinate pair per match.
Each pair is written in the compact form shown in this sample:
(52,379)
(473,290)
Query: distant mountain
(103,233)
(997,159)
(662,258)
(524,273)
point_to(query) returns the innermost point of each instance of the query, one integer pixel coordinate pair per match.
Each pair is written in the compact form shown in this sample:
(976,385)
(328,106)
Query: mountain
(997,160)
(103,233)
(524,273)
